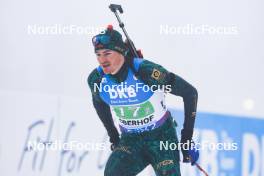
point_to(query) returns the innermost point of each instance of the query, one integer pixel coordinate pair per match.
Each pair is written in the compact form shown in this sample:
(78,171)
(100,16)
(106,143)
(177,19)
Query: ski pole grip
(115,7)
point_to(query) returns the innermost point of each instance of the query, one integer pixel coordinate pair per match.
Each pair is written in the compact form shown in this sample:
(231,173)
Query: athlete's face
(111,61)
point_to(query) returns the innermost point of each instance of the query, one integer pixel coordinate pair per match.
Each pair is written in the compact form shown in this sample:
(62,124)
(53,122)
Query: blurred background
(46,56)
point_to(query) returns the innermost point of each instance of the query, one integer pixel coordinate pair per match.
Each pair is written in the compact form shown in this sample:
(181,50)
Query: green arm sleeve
(102,109)
(154,74)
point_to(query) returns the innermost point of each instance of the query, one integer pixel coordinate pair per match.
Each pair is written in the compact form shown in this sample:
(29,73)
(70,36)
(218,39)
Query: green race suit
(143,117)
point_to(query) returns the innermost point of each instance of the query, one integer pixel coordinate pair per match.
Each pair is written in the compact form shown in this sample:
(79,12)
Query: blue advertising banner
(229,145)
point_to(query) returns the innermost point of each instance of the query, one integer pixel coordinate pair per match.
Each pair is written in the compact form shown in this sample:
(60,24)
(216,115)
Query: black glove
(114,142)
(113,146)
(186,142)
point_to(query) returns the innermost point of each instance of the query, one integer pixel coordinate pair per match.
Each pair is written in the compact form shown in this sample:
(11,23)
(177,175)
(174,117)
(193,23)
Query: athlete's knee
(122,162)
(115,170)
(108,172)
(167,168)
(114,164)
(111,167)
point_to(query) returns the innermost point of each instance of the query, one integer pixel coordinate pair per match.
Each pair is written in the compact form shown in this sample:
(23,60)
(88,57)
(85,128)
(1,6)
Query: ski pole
(114,8)
(201,169)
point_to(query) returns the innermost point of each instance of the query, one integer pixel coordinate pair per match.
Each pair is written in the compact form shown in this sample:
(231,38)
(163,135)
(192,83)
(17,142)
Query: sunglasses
(101,39)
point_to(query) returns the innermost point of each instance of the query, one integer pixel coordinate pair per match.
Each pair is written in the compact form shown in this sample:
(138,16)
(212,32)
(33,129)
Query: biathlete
(132,90)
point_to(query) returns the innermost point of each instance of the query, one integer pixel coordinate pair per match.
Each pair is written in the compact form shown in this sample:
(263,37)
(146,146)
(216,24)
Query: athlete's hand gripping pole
(194,155)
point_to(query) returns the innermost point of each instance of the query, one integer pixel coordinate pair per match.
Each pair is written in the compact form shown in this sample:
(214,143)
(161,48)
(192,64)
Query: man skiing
(132,91)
